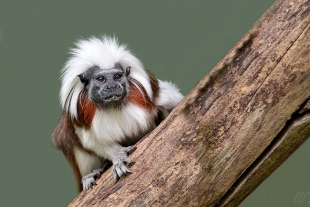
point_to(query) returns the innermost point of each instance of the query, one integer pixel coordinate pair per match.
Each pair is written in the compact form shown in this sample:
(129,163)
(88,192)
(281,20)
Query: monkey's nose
(113,86)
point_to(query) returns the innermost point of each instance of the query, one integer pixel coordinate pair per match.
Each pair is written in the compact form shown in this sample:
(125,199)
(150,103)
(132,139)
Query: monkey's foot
(89,180)
(119,160)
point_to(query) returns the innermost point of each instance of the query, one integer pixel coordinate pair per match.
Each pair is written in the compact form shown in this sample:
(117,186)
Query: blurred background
(179,41)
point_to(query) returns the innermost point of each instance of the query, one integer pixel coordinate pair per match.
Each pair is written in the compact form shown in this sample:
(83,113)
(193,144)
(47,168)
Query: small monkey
(109,102)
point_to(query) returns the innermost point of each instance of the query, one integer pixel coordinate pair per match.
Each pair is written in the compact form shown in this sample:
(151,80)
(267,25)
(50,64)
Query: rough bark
(234,128)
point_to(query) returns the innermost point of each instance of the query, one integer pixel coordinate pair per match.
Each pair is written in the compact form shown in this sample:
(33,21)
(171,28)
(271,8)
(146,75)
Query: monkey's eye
(117,77)
(100,79)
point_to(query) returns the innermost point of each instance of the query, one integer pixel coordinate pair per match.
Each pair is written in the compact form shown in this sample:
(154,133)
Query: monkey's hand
(119,158)
(89,180)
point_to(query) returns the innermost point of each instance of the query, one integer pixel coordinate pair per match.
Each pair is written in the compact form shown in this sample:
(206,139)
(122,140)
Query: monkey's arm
(64,139)
(168,97)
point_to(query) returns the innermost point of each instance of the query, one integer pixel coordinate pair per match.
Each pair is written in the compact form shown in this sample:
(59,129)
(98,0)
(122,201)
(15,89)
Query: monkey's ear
(127,72)
(84,79)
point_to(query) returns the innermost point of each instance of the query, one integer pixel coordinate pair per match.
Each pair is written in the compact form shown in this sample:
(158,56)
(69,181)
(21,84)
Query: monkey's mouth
(113,98)
(108,97)
(112,101)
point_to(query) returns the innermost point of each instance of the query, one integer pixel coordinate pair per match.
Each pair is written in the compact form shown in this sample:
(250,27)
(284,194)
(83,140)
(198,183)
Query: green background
(177,40)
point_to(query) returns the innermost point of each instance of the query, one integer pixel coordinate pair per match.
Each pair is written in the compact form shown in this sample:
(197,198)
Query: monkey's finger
(115,175)
(119,171)
(92,184)
(125,169)
(130,149)
(128,160)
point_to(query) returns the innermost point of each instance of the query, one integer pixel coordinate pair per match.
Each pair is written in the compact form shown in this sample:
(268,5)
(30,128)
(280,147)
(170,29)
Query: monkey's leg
(87,164)
(119,156)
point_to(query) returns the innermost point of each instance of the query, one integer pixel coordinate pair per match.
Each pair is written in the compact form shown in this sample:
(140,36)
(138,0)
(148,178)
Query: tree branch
(234,128)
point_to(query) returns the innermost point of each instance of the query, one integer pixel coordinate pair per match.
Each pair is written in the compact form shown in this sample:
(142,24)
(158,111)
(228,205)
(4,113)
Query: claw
(119,159)
(120,169)
(89,180)
(130,149)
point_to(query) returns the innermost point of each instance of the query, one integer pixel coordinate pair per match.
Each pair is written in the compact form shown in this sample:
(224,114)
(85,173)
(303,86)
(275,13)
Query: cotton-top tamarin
(109,102)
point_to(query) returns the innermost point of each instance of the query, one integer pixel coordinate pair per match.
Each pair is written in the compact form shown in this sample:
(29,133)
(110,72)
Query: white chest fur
(113,126)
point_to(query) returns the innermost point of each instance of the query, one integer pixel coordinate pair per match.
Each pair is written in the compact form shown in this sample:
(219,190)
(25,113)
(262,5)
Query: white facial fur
(104,52)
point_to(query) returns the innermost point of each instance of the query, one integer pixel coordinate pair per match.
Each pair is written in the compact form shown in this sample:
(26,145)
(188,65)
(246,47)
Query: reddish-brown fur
(142,99)
(76,171)
(65,139)
(86,110)
(154,85)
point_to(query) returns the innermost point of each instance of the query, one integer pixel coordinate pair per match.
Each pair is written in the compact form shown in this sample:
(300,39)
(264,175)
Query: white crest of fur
(103,52)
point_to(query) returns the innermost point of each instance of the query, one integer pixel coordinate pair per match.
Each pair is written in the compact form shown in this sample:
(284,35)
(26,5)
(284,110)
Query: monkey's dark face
(106,86)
